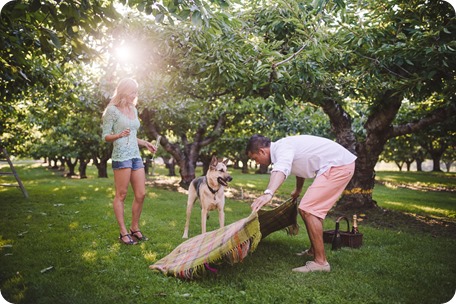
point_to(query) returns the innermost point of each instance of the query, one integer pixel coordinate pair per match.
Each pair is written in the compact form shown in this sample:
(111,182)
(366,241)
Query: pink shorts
(326,189)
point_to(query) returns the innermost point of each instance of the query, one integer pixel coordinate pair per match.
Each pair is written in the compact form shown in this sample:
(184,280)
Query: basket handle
(342,218)
(337,241)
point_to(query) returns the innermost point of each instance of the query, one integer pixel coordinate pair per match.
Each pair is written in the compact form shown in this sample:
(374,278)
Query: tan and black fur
(209,189)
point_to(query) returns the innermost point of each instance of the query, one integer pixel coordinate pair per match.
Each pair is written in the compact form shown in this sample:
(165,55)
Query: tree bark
(187,156)
(379,128)
(358,193)
(102,165)
(71,166)
(83,167)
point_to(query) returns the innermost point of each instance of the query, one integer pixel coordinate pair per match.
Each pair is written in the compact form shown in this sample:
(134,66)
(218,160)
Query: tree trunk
(83,167)
(419,165)
(185,157)
(436,165)
(448,165)
(102,166)
(245,166)
(409,164)
(206,160)
(187,172)
(170,164)
(378,129)
(358,193)
(71,166)
(262,170)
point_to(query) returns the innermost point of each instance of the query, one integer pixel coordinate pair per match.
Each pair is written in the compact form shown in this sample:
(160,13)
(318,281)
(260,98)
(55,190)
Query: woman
(120,125)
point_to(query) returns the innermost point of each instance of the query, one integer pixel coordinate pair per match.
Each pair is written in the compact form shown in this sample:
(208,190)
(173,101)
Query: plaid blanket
(282,217)
(231,243)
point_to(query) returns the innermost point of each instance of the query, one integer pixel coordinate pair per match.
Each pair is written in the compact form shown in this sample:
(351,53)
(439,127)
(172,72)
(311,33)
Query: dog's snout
(229,178)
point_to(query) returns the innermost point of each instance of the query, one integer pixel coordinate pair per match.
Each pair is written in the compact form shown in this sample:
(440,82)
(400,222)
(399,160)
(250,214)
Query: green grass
(416,197)
(69,225)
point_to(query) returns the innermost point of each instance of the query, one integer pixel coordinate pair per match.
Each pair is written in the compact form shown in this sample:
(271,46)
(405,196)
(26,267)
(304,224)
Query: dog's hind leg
(190,201)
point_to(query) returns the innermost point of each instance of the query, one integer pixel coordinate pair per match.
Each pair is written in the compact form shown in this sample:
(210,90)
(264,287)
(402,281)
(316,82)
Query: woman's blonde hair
(125,87)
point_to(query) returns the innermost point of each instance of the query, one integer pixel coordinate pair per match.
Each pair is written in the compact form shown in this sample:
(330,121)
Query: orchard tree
(39,39)
(436,140)
(449,156)
(371,58)
(400,150)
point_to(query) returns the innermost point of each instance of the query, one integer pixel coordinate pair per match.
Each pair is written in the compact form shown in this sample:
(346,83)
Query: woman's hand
(124,133)
(150,147)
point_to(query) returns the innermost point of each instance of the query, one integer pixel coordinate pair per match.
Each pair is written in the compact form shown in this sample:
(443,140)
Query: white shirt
(308,156)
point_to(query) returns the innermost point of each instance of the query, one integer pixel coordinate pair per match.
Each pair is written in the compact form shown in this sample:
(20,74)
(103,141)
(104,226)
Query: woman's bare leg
(121,180)
(138,183)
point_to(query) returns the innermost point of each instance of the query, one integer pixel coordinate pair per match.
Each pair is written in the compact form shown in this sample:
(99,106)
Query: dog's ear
(226,161)
(214,161)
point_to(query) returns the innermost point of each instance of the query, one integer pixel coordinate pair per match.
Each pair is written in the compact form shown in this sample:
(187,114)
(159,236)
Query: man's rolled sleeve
(282,158)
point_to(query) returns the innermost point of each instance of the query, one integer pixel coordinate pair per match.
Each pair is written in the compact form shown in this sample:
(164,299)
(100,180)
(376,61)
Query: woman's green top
(114,121)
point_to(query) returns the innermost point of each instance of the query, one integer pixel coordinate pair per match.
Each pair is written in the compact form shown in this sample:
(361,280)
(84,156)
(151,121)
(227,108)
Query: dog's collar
(210,189)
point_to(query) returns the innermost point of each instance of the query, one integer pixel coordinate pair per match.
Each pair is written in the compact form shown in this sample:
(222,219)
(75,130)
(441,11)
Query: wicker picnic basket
(340,238)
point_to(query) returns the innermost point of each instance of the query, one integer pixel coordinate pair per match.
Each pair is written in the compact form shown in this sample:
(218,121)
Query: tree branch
(274,65)
(438,115)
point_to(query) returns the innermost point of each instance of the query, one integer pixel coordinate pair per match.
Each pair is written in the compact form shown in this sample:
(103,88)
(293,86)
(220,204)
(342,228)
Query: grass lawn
(60,245)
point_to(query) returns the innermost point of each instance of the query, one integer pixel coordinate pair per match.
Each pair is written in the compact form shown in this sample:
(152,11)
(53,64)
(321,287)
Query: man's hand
(295,194)
(260,202)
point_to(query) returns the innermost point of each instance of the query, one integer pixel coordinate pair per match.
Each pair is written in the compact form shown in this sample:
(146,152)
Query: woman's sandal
(139,238)
(130,240)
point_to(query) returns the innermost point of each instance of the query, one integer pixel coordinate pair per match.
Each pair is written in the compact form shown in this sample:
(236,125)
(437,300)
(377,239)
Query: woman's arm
(147,144)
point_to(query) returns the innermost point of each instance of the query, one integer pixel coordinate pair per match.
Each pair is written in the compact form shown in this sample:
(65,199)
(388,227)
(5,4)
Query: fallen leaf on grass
(21,234)
(47,269)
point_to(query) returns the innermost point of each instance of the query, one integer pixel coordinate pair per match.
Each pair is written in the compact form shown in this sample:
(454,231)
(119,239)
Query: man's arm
(275,181)
(299,184)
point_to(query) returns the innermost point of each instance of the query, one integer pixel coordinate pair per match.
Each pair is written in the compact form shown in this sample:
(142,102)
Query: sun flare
(124,53)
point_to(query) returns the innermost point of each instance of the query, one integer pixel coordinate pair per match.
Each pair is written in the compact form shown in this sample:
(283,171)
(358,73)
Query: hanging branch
(274,65)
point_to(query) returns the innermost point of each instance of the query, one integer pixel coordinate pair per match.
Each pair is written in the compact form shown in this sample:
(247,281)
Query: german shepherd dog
(210,191)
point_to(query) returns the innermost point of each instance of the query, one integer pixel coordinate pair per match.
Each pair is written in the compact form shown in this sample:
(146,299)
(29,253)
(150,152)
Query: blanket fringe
(233,256)
(292,229)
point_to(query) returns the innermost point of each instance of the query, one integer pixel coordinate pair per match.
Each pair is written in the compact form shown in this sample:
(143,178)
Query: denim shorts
(134,164)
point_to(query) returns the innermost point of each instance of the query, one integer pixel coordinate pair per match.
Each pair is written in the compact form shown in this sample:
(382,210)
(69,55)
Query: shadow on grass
(409,222)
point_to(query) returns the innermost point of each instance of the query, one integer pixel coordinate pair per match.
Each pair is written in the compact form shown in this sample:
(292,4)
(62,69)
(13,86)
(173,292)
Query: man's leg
(314,227)
(317,201)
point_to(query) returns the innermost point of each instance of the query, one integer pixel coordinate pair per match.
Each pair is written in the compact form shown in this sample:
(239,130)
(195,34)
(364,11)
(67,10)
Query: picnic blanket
(231,243)
(282,217)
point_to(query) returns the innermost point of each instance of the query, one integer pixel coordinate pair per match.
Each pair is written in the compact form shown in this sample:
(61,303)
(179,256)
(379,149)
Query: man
(306,156)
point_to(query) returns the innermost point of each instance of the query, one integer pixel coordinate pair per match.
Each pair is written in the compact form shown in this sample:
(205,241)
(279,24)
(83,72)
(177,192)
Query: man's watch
(269,191)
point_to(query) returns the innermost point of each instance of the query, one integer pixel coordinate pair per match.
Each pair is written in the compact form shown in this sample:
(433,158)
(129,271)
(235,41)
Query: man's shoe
(311,266)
